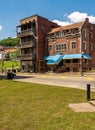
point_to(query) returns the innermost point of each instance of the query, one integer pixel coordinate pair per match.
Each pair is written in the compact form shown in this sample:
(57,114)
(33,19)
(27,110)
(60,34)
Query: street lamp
(82,74)
(2,55)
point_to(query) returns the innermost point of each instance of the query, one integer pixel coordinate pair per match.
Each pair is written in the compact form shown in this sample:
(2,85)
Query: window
(63,33)
(56,47)
(42,28)
(91,46)
(74,30)
(59,47)
(84,45)
(57,34)
(91,27)
(64,47)
(91,35)
(84,33)
(75,60)
(60,34)
(68,61)
(50,48)
(73,45)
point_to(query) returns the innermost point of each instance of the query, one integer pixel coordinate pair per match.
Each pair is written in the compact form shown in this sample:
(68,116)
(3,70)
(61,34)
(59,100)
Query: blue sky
(61,11)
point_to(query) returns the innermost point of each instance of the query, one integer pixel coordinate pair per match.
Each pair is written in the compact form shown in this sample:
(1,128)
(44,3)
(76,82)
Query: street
(74,81)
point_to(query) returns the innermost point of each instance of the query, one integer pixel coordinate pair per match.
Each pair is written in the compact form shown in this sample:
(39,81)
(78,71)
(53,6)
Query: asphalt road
(74,81)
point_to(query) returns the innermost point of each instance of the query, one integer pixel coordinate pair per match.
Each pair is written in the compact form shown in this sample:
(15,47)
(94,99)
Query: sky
(63,12)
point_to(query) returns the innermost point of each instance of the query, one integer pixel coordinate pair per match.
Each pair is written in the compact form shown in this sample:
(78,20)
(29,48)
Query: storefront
(68,62)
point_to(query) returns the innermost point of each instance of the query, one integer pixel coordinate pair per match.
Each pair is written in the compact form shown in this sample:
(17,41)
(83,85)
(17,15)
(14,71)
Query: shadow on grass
(92,99)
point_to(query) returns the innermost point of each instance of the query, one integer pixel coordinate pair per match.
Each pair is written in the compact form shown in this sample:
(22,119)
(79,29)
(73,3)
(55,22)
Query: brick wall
(43,27)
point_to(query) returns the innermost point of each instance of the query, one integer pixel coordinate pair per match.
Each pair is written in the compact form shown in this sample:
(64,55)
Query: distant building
(4,50)
(45,46)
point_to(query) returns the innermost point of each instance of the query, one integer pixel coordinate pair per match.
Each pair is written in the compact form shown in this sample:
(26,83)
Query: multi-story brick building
(68,48)
(32,32)
(76,44)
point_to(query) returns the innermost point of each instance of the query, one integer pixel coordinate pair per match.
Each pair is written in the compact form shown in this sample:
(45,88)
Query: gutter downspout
(81,37)
(37,45)
(81,68)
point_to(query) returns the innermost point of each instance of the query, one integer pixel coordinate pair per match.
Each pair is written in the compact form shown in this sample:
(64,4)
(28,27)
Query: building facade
(76,42)
(32,32)
(46,46)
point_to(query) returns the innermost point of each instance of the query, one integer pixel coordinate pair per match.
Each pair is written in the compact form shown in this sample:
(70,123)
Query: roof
(71,26)
(76,56)
(10,50)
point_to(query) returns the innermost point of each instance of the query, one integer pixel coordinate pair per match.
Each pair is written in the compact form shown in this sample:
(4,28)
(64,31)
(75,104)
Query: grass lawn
(27,106)
(9,64)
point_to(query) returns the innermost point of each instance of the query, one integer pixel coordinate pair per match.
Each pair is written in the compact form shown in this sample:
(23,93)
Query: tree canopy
(10,42)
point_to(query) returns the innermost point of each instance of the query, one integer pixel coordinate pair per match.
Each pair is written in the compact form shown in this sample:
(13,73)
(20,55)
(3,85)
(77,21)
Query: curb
(92,103)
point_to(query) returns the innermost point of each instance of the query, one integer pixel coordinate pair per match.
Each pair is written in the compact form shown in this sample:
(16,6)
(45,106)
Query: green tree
(7,56)
(14,55)
(10,42)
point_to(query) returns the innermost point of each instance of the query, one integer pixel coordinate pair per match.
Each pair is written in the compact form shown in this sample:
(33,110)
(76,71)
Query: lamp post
(2,60)
(82,74)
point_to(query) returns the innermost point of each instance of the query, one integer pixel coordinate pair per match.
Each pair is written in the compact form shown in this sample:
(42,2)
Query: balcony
(27,44)
(69,35)
(26,33)
(27,57)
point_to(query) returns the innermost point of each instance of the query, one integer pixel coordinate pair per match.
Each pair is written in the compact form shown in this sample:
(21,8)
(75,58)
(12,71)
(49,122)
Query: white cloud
(78,17)
(61,23)
(75,17)
(0,27)
(91,19)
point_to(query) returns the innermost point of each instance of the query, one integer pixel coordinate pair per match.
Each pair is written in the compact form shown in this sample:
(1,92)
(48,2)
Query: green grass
(27,106)
(9,64)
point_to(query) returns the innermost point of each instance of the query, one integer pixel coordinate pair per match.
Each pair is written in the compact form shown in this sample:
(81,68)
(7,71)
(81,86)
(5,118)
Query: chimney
(87,20)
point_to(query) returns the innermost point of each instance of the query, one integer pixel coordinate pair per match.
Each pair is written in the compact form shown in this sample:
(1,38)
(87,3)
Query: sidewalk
(68,74)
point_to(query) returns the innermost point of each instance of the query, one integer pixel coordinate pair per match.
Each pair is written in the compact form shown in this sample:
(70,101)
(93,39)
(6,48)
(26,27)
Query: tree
(10,42)
(7,56)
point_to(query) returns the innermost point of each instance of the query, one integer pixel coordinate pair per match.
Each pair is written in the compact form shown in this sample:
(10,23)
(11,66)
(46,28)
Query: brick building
(32,32)
(47,46)
(76,44)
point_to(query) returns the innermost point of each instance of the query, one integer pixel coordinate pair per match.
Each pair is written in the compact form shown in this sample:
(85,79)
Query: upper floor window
(84,45)
(75,30)
(50,48)
(73,45)
(64,47)
(91,46)
(42,28)
(91,27)
(63,33)
(56,47)
(61,47)
(60,34)
(91,35)
(84,33)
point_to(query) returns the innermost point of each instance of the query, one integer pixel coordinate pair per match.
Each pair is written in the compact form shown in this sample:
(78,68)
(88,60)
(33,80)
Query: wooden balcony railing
(27,57)
(27,44)
(25,33)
